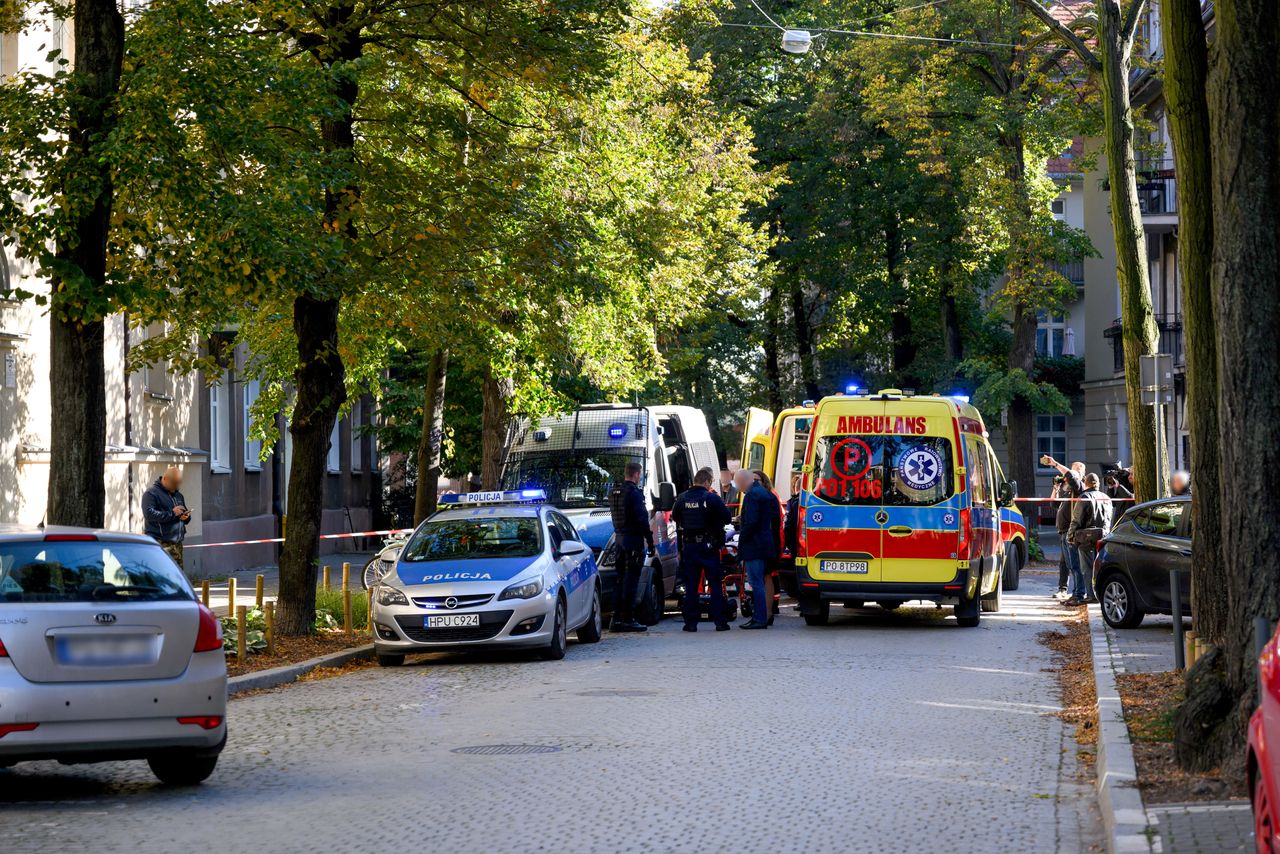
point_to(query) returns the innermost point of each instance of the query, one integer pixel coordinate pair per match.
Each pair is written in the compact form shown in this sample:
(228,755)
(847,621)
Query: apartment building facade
(157,417)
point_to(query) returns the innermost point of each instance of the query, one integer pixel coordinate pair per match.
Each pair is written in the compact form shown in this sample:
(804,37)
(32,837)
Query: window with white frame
(156,378)
(334,463)
(220,424)
(252,447)
(1051,334)
(357,437)
(1051,439)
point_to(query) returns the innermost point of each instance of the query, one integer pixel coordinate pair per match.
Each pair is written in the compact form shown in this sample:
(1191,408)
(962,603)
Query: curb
(290,672)
(1124,818)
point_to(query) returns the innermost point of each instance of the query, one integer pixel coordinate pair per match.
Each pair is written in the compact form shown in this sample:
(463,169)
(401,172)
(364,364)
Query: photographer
(1119,482)
(1068,484)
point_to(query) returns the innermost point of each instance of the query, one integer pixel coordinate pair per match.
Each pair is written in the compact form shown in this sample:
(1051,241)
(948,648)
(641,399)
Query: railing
(1072,271)
(1157,187)
(1170,326)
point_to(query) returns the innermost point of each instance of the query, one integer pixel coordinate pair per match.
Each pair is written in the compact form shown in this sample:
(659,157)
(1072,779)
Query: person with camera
(1090,522)
(1068,484)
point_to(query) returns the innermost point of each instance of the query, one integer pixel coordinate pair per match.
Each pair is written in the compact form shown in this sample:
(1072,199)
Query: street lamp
(796,41)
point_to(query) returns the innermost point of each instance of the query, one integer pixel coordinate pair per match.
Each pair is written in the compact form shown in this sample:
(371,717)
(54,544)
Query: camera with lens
(1059,479)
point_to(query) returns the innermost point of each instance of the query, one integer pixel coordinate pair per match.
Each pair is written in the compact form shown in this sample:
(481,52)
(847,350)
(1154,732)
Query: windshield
(888,470)
(580,478)
(464,539)
(88,572)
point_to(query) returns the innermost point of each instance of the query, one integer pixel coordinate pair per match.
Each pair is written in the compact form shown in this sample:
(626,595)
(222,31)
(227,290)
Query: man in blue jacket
(759,541)
(165,514)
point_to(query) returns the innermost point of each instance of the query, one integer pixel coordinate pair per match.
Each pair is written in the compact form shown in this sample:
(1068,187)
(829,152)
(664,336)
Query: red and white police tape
(281,539)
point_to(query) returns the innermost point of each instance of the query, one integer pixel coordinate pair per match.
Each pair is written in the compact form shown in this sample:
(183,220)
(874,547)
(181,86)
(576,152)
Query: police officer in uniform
(631,536)
(700,518)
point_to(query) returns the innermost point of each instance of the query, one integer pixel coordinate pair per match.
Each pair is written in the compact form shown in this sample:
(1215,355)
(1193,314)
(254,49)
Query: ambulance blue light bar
(510,496)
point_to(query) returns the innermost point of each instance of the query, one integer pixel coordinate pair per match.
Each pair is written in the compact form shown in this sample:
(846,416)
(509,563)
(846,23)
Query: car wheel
(182,769)
(1120,602)
(372,573)
(821,618)
(1263,822)
(559,635)
(655,604)
(1012,575)
(390,660)
(992,601)
(593,628)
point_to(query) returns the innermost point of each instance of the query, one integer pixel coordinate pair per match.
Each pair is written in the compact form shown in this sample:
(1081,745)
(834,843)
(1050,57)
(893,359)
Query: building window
(252,447)
(220,425)
(357,438)
(1051,439)
(1051,334)
(1059,209)
(156,378)
(335,449)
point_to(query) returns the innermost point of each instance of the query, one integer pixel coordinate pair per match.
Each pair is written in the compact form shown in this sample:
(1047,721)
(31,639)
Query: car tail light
(801,514)
(202,721)
(962,549)
(71,538)
(5,729)
(209,637)
(4,653)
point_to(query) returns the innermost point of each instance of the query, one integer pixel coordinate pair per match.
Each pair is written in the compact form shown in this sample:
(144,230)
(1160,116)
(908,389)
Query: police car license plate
(848,567)
(453,621)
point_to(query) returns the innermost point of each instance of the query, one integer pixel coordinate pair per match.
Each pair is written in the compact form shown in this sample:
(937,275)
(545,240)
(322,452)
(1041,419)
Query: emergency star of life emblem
(816,517)
(921,467)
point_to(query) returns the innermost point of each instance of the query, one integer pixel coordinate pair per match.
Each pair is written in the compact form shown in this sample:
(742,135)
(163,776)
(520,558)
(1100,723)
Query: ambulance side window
(980,489)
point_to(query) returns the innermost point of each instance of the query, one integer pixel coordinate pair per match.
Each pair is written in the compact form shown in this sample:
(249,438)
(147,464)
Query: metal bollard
(1175,599)
(346,576)
(346,610)
(242,619)
(269,616)
(204,592)
(231,595)
(324,576)
(259,592)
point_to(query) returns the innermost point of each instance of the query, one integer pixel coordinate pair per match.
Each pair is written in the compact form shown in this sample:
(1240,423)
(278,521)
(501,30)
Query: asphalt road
(878,733)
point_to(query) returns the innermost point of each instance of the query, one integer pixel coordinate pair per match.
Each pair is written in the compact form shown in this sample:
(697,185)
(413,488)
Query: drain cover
(505,749)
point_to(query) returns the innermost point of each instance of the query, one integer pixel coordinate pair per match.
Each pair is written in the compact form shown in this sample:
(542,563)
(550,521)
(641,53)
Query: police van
(902,499)
(577,458)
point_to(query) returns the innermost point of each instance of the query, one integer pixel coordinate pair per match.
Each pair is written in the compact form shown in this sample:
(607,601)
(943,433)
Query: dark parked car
(1131,572)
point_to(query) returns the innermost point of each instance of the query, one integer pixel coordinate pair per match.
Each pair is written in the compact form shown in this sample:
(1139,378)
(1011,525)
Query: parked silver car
(106,654)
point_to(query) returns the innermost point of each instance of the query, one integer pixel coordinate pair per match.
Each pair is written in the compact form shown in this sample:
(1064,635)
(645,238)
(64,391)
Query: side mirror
(666,496)
(1008,491)
(569,548)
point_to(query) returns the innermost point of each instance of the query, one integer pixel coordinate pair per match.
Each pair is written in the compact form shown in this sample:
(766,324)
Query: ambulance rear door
(790,441)
(921,501)
(755,438)
(842,490)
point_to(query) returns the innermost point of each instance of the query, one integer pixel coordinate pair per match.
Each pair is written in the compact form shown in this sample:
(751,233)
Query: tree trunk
(495,427)
(772,366)
(804,341)
(1138,323)
(1020,430)
(1244,106)
(77,384)
(319,378)
(952,342)
(1185,81)
(431,440)
(904,346)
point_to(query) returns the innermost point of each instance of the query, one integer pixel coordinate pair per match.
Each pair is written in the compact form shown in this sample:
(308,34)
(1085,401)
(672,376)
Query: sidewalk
(246,581)
(1193,828)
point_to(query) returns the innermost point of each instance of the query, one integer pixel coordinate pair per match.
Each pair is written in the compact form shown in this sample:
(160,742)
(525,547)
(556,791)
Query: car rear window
(98,571)
(883,470)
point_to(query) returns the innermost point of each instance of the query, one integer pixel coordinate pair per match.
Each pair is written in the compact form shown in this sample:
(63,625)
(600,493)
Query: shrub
(329,609)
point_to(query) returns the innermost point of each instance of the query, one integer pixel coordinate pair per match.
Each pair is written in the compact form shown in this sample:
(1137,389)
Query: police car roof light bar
(510,496)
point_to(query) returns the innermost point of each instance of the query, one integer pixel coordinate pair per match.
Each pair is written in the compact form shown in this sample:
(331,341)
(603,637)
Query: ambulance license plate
(453,621)
(847,567)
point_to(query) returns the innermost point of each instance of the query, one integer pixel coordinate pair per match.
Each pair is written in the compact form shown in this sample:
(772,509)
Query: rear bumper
(97,721)
(811,592)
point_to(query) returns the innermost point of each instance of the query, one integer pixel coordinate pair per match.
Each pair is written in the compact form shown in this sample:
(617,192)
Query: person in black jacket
(165,515)
(700,517)
(759,541)
(632,535)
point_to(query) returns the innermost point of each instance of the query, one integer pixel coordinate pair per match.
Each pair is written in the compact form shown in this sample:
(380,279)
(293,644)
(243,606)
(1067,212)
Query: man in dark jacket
(759,541)
(1090,520)
(700,517)
(632,535)
(165,513)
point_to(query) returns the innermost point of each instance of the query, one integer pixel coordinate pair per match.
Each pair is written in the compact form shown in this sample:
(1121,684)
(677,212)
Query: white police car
(489,569)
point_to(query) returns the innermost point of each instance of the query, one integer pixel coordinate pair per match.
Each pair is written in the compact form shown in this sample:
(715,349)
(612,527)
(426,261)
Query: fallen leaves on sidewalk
(1075,678)
(1150,700)
(293,650)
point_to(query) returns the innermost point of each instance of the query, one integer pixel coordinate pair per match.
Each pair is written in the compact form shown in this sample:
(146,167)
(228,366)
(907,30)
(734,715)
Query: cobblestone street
(878,733)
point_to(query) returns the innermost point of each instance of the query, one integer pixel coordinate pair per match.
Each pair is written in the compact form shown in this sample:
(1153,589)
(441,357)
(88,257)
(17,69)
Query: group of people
(701,516)
(1085,514)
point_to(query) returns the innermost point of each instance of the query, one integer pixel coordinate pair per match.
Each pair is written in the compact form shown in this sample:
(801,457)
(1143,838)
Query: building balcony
(1157,191)
(1072,271)
(1170,326)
